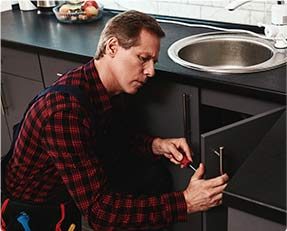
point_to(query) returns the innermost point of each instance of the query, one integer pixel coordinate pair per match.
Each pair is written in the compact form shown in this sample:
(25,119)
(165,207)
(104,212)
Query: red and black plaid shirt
(54,147)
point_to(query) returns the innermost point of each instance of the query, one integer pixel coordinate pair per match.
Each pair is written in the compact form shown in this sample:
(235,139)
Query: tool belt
(20,216)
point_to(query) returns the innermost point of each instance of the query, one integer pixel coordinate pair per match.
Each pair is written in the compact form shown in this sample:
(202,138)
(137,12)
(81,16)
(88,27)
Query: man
(66,150)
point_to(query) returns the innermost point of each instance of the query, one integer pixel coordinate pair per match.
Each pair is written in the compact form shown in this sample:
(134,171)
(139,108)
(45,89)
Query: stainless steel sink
(226,52)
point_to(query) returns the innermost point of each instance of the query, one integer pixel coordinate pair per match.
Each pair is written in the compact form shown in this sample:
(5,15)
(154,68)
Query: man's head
(127,52)
(126,27)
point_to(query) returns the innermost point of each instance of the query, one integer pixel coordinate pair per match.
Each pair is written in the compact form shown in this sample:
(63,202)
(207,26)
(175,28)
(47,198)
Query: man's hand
(201,194)
(173,149)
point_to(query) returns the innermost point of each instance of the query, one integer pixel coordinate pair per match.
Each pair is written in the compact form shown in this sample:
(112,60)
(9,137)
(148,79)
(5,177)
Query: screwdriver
(23,219)
(187,163)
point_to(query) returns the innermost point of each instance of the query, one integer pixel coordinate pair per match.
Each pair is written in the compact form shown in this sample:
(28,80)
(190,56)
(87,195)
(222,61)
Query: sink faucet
(277,30)
(236,3)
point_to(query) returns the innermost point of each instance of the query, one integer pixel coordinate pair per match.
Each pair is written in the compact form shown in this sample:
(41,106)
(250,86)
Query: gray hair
(126,27)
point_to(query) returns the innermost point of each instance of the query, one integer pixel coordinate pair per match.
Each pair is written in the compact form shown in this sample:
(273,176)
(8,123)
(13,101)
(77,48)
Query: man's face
(133,66)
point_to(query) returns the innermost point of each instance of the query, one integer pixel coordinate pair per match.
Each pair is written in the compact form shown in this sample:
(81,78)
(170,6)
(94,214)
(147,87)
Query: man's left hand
(173,149)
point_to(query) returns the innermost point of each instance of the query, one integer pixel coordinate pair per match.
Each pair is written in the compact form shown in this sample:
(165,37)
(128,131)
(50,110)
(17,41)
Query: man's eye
(143,59)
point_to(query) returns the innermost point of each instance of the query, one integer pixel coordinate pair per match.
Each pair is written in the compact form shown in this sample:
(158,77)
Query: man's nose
(149,69)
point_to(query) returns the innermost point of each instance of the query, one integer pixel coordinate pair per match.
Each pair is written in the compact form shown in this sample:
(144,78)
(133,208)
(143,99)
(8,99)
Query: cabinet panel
(161,108)
(237,221)
(53,67)
(235,102)
(18,93)
(239,140)
(5,134)
(262,177)
(22,63)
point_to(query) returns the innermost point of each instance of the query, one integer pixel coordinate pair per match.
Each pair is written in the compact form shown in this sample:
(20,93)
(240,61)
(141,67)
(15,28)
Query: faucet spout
(236,3)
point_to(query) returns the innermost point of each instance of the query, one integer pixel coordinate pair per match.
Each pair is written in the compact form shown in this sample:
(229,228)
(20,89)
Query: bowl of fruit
(78,11)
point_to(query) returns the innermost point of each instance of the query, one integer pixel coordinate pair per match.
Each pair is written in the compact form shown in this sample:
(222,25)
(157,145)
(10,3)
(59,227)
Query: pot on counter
(46,6)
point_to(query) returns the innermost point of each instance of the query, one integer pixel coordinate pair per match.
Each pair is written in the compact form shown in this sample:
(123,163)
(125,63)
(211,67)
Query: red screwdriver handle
(185,162)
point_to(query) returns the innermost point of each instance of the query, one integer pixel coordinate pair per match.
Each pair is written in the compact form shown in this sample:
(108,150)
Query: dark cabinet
(231,127)
(5,134)
(225,149)
(21,80)
(262,179)
(235,102)
(54,67)
(24,63)
(238,220)
(17,93)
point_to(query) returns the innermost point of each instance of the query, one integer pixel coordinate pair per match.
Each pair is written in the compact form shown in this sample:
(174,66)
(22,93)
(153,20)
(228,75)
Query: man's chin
(133,90)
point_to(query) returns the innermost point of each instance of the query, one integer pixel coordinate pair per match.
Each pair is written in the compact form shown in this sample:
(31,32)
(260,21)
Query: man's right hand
(202,194)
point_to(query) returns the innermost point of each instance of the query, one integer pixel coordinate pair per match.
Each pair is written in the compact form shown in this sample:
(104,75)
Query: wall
(257,11)
(5,5)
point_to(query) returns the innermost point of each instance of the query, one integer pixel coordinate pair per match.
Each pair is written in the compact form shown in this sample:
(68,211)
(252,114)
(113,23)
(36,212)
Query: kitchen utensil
(45,6)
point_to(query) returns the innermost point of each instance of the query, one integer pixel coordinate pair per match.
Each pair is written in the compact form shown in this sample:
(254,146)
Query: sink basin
(226,52)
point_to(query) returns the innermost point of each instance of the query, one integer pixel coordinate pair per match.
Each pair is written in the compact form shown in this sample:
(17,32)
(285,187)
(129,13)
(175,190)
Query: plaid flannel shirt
(54,148)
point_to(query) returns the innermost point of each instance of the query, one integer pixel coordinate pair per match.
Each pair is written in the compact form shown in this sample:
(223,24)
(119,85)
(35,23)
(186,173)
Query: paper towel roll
(26,5)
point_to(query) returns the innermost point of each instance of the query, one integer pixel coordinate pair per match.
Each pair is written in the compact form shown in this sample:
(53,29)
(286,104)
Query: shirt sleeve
(68,139)
(141,144)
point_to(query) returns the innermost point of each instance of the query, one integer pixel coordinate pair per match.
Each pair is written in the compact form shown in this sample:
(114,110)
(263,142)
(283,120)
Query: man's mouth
(141,83)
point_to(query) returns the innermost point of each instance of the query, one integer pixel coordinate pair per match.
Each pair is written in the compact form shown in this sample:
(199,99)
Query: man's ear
(112,46)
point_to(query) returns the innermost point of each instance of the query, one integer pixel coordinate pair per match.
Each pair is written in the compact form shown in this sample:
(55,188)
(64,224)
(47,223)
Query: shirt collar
(100,96)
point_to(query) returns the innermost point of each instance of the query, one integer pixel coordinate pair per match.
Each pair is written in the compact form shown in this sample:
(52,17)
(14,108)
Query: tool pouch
(16,216)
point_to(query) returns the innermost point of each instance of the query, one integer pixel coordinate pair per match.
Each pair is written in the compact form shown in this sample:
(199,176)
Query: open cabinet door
(259,185)
(226,148)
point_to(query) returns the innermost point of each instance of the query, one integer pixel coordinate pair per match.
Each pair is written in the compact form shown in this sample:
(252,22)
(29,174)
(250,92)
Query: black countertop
(45,33)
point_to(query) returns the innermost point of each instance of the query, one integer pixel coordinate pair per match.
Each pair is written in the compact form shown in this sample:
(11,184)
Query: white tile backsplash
(251,13)
(218,3)
(176,9)
(256,17)
(221,14)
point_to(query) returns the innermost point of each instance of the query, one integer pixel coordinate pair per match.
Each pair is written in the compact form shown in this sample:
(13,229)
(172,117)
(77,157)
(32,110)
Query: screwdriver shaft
(193,168)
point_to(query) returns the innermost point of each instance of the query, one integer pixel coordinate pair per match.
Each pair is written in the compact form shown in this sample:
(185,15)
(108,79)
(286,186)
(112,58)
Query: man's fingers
(218,197)
(216,200)
(216,203)
(218,189)
(220,180)
(217,193)
(177,155)
(174,161)
(171,158)
(198,173)
(184,146)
